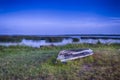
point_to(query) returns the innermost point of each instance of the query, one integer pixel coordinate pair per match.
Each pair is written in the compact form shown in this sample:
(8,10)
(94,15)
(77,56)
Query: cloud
(46,23)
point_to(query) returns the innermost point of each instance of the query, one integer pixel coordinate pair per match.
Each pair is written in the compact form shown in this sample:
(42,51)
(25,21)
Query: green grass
(26,63)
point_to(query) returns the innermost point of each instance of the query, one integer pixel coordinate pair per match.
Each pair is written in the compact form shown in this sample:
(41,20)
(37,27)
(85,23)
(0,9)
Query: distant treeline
(54,38)
(90,35)
(100,37)
(20,38)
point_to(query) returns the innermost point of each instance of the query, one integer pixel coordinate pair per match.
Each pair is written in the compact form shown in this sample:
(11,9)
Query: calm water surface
(38,43)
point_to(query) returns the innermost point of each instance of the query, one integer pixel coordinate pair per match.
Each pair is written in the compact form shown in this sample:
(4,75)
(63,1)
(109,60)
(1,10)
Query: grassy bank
(26,63)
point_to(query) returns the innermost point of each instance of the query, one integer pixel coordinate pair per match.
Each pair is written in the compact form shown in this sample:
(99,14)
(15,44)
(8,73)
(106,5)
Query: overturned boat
(66,55)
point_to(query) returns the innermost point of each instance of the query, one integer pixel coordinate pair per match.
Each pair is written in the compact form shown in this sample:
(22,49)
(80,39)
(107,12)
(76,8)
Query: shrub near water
(39,64)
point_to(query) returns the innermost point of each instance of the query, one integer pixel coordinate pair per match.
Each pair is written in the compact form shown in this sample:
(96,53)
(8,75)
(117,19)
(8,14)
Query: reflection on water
(39,43)
(103,41)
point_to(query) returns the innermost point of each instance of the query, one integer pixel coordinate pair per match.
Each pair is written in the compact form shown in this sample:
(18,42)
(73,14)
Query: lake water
(38,43)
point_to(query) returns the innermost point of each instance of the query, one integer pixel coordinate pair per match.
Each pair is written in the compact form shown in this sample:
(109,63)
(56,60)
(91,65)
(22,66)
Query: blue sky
(49,17)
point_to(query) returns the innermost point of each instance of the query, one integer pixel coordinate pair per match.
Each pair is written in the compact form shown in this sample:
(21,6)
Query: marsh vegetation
(27,63)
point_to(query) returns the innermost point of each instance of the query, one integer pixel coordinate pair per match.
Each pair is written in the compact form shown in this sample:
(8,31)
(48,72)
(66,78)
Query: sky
(53,17)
